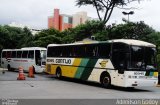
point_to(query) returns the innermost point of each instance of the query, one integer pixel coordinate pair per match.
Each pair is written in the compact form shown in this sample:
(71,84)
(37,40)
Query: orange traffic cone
(21,74)
(30,73)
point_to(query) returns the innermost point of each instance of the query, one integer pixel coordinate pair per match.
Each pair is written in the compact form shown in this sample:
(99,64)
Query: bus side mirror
(121,69)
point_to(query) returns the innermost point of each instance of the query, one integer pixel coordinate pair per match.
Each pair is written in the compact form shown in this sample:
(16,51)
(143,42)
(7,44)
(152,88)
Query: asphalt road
(45,86)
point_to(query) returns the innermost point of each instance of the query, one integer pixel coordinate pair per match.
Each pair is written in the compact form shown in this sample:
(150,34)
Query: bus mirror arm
(121,71)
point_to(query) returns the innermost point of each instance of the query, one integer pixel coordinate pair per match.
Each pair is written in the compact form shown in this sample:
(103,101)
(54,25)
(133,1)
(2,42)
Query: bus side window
(104,50)
(79,51)
(72,53)
(66,51)
(19,54)
(51,52)
(24,54)
(8,54)
(58,51)
(31,54)
(4,54)
(90,51)
(54,51)
(13,54)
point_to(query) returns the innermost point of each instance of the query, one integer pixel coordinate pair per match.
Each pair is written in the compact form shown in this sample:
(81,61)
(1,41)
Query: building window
(65,19)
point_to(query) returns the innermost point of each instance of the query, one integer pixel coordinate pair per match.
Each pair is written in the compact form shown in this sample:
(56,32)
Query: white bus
(123,62)
(25,57)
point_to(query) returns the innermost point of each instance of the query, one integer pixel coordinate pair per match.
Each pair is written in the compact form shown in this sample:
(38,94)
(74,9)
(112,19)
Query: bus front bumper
(141,82)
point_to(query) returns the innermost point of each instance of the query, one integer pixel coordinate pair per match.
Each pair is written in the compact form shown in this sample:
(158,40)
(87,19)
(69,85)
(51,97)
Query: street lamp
(128,13)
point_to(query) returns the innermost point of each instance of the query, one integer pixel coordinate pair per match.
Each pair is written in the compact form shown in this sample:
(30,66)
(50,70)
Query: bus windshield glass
(143,58)
(43,57)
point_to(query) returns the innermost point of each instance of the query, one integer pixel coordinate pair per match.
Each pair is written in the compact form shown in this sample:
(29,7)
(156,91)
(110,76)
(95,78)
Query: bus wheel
(106,81)
(58,73)
(9,68)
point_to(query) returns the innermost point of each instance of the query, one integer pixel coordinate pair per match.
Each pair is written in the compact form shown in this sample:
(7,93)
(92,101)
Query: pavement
(2,70)
(44,86)
(12,76)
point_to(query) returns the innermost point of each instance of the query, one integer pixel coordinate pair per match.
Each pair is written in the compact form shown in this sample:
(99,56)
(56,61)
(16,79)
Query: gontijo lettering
(60,61)
(66,61)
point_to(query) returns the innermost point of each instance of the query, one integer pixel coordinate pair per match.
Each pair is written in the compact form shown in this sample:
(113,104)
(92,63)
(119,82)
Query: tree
(46,37)
(104,6)
(27,38)
(68,35)
(4,37)
(131,30)
(82,31)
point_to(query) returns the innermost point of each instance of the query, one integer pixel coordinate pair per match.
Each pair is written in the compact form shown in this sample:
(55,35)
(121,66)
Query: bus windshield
(143,58)
(43,54)
(43,57)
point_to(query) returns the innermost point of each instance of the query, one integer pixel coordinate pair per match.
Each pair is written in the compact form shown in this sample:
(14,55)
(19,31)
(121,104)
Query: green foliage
(130,30)
(46,37)
(68,36)
(90,28)
(4,37)
(101,35)
(13,37)
(26,39)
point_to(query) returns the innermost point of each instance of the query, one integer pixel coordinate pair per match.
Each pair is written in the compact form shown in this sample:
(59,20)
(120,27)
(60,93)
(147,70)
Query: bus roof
(134,42)
(126,41)
(34,48)
(26,48)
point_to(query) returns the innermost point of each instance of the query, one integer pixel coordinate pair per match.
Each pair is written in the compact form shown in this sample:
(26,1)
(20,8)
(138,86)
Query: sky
(34,13)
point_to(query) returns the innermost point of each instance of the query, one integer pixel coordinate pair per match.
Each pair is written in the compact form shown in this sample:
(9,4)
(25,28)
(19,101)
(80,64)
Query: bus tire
(129,88)
(9,68)
(105,80)
(58,73)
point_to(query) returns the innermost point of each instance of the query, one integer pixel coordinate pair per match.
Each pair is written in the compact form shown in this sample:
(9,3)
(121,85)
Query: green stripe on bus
(151,73)
(81,68)
(147,73)
(88,69)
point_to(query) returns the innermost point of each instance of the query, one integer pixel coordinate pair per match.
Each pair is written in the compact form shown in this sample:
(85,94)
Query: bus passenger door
(38,58)
(119,60)
(118,71)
